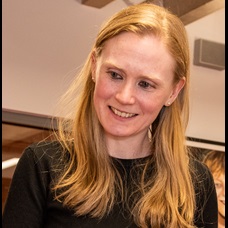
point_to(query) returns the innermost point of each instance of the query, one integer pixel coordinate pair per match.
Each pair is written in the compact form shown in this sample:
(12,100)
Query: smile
(122,114)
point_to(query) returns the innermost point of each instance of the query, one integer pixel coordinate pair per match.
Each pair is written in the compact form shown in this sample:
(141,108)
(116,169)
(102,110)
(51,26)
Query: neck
(128,147)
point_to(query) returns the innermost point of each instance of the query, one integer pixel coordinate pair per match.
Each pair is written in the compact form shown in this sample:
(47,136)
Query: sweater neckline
(131,161)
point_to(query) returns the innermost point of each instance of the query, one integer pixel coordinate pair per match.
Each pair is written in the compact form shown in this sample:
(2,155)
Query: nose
(126,94)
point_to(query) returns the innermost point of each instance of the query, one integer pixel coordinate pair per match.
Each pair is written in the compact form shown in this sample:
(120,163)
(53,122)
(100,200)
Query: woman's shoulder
(205,192)
(47,147)
(199,167)
(202,176)
(44,153)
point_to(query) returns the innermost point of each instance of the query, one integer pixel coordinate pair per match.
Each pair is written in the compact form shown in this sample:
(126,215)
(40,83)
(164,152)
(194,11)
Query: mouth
(122,114)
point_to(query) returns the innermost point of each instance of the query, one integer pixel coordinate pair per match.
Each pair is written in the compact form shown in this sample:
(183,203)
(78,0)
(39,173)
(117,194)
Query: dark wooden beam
(96,3)
(180,7)
(190,11)
(187,10)
(28,119)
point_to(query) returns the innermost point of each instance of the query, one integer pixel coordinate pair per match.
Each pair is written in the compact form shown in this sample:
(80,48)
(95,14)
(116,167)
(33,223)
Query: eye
(218,185)
(145,85)
(114,75)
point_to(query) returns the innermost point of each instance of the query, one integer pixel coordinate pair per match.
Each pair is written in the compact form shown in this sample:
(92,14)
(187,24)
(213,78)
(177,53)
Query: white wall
(207,118)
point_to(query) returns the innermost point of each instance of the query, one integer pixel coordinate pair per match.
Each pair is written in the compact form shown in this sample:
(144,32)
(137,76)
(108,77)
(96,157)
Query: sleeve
(207,205)
(25,204)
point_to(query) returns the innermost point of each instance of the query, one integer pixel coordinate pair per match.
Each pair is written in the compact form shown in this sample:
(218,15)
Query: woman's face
(133,81)
(220,190)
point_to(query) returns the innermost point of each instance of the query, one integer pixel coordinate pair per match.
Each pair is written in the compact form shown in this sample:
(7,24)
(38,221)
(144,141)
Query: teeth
(122,114)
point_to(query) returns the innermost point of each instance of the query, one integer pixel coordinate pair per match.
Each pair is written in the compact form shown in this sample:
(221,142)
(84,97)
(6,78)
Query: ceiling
(45,42)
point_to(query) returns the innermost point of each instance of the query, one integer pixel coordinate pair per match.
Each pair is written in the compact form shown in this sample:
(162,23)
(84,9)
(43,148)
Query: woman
(215,160)
(121,158)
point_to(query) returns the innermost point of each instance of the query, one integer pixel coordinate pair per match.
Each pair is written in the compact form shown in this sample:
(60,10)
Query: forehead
(141,46)
(219,176)
(139,55)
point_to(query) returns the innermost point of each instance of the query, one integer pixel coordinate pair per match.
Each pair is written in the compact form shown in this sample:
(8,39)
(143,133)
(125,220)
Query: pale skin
(220,190)
(133,80)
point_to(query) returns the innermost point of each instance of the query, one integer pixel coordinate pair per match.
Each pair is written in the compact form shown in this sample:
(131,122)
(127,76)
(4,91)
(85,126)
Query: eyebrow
(107,63)
(154,79)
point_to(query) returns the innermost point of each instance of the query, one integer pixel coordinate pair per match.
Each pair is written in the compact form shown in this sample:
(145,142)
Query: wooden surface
(14,140)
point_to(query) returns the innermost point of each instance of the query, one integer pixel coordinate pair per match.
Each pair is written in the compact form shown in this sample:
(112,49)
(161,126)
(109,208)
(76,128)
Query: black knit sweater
(30,202)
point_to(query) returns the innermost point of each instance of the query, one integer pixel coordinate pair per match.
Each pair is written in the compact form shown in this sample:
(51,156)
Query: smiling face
(220,190)
(133,80)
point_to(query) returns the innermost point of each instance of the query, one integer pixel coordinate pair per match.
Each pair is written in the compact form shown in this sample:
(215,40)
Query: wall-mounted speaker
(209,54)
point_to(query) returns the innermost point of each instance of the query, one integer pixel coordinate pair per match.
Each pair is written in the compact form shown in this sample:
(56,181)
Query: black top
(30,202)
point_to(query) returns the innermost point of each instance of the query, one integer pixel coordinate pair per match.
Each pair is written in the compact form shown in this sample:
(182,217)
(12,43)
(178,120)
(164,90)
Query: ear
(93,65)
(176,89)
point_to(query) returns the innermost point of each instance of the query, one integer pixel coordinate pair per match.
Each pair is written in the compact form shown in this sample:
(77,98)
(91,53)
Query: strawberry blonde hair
(89,182)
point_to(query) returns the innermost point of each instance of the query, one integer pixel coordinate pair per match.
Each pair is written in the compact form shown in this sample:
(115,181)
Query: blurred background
(44,43)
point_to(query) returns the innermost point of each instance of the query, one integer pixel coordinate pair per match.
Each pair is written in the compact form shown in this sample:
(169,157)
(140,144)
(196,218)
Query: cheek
(218,191)
(102,91)
(152,102)
(151,107)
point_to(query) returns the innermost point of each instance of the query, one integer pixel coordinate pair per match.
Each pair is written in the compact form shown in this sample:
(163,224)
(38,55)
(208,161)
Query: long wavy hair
(215,160)
(89,182)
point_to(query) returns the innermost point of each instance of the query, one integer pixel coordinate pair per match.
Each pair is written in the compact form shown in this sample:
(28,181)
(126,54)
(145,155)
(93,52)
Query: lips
(122,114)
